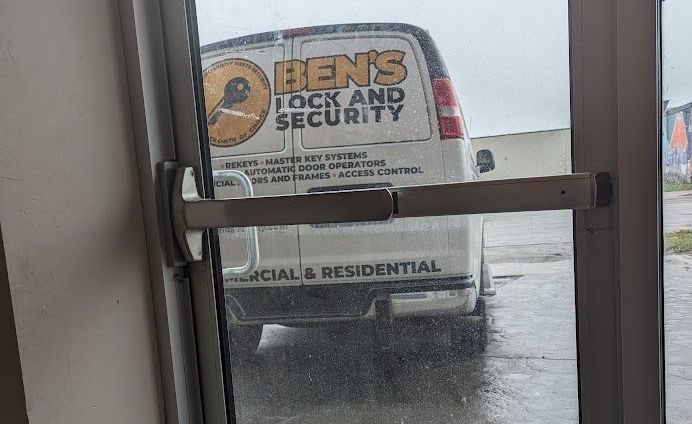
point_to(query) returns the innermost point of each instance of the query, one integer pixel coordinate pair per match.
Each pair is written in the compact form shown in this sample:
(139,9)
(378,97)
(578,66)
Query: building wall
(677,152)
(71,215)
(528,154)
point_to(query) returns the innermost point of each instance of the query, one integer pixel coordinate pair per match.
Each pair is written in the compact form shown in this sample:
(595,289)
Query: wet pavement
(677,312)
(677,320)
(528,373)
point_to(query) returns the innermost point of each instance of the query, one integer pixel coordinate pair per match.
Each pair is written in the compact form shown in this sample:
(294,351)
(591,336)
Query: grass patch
(679,241)
(677,186)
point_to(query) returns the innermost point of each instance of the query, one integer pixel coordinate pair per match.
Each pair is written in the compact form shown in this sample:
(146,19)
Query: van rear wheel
(469,334)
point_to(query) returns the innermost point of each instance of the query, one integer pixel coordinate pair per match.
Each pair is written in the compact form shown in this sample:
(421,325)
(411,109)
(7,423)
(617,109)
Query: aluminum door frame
(615,63)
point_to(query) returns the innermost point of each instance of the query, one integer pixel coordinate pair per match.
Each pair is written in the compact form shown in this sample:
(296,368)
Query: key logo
(237,96)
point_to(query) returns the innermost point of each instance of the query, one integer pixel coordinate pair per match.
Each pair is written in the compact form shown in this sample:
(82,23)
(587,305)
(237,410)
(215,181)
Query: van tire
(469,334)
(384,370)
(244,340)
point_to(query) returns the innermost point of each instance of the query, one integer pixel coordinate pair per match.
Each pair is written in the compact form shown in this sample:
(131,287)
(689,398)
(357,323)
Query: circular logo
(237,97)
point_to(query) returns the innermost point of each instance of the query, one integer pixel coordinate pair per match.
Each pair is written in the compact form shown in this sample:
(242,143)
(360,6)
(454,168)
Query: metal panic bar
(572,191)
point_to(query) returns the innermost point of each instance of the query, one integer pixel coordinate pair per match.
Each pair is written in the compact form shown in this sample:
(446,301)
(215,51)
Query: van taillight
(448,110)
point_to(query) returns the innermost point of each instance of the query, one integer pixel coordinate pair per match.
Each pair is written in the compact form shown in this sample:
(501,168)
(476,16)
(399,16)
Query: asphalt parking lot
(528,373)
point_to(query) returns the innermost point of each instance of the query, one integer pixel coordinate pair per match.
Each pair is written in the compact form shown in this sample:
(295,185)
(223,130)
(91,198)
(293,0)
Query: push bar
(192,214)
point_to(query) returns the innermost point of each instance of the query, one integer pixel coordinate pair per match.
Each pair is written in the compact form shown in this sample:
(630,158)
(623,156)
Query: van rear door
(241,112)
(361,110)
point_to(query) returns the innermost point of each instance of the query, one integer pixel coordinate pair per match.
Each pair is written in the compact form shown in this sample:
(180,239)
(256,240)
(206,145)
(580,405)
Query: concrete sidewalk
(530,246)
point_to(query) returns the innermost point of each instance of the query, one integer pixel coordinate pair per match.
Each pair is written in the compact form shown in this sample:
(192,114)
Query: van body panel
(465,231)
(374,119)
(265,155)
(388,153)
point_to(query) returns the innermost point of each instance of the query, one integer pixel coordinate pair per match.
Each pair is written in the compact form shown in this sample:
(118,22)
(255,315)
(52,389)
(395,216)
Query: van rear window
(354,89)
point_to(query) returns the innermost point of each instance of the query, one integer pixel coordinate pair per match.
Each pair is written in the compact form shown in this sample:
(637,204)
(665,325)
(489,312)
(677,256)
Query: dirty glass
(438,319)
(677,208)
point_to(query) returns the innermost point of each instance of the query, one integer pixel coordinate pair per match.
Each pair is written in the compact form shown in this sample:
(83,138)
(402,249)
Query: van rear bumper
(348,302)
(437,303)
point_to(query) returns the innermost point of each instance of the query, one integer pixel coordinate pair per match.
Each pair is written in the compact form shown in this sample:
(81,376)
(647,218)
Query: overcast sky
(509,59)
(677,51)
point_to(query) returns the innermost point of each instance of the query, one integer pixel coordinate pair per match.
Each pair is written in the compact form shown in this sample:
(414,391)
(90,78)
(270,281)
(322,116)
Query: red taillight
(448,110)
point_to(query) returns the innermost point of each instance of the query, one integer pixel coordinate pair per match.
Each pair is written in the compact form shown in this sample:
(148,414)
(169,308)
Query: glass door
(398,220)
(455,318)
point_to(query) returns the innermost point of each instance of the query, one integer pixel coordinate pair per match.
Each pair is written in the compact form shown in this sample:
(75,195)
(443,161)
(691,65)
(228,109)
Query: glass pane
(435,319)
(677,208)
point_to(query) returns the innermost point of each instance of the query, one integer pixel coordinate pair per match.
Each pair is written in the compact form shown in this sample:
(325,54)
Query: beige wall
(528,154)
(71,215)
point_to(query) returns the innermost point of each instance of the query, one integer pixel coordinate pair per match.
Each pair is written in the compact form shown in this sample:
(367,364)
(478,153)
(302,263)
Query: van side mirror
(485,161)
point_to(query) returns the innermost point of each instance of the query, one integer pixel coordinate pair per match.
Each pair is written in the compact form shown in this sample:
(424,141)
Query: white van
(339,108)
